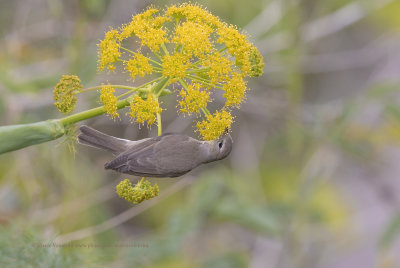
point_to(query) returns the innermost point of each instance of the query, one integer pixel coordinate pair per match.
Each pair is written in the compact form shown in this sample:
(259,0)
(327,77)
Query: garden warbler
(168,155)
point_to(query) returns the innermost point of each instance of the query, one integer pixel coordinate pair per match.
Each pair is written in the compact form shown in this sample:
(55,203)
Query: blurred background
(313,179)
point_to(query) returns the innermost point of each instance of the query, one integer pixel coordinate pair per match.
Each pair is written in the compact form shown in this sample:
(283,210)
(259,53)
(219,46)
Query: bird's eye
(220,144)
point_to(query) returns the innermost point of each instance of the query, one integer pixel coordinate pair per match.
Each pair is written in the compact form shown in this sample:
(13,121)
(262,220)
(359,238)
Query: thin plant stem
(114,86)
(201,70)
(157,55)
(159,126)
(202,81)
(155,62)
(91,113)
(128,50)
(164,48)
(145,90)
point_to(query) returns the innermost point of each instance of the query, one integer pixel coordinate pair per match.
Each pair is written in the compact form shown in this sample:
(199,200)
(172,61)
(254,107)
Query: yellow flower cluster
(174,66)
(109,50)
(237,45)
(257,62)
(144,110)
(186,44)
(64,93)
(138,65)
(148,28)
(194,38)
(193,99)
(143,190)
(193,12)
(109,100)
(220,68)
(215,125)
(235,89)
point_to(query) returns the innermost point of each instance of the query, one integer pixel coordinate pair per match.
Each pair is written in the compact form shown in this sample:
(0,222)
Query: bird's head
(223,145)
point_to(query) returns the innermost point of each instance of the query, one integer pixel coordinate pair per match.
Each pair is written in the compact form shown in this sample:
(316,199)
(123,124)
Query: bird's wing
(144,159)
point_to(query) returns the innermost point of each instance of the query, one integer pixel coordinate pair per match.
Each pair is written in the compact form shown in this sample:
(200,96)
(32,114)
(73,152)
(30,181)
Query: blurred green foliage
(306,147)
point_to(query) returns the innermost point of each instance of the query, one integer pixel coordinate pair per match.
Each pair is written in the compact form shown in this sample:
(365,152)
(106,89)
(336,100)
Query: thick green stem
(19,136)
(90,113)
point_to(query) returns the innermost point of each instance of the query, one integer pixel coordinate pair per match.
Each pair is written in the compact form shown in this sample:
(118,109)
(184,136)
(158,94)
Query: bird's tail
(97,139)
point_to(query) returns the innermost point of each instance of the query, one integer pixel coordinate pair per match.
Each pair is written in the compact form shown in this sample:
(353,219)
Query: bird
(168,155)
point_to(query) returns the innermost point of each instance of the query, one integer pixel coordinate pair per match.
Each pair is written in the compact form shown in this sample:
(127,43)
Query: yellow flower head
(215,125)
(235,89)
(149,29)
(138,65)
(175,65)
(194,38)
(64,93)
(143,190)
(144,110)
(109,50)
(193,99)
(193,12)
(109,100)
(220,68)
(257,62)
(237,45)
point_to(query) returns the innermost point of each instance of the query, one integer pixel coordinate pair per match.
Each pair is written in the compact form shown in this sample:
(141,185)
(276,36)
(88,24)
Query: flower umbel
(191,47)
(65,91)
(143,190)
(110,101)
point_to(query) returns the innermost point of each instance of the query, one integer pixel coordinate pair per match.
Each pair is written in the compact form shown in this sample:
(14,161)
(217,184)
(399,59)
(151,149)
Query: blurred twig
(48,215)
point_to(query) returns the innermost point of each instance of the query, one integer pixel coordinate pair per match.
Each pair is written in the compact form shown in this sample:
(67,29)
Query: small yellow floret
(193,12)
(215,125)
(194,38)
(149,29)
(193,99)
(257,62)
(109,100)
(64,93)
(145,110)
(235,90)
(174,66)
(109,50)
(237,45)
(220,67)
(138,65)
(143,190)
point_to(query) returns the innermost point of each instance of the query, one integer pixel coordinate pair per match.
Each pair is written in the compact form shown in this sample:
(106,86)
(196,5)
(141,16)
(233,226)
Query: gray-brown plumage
(169,155)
